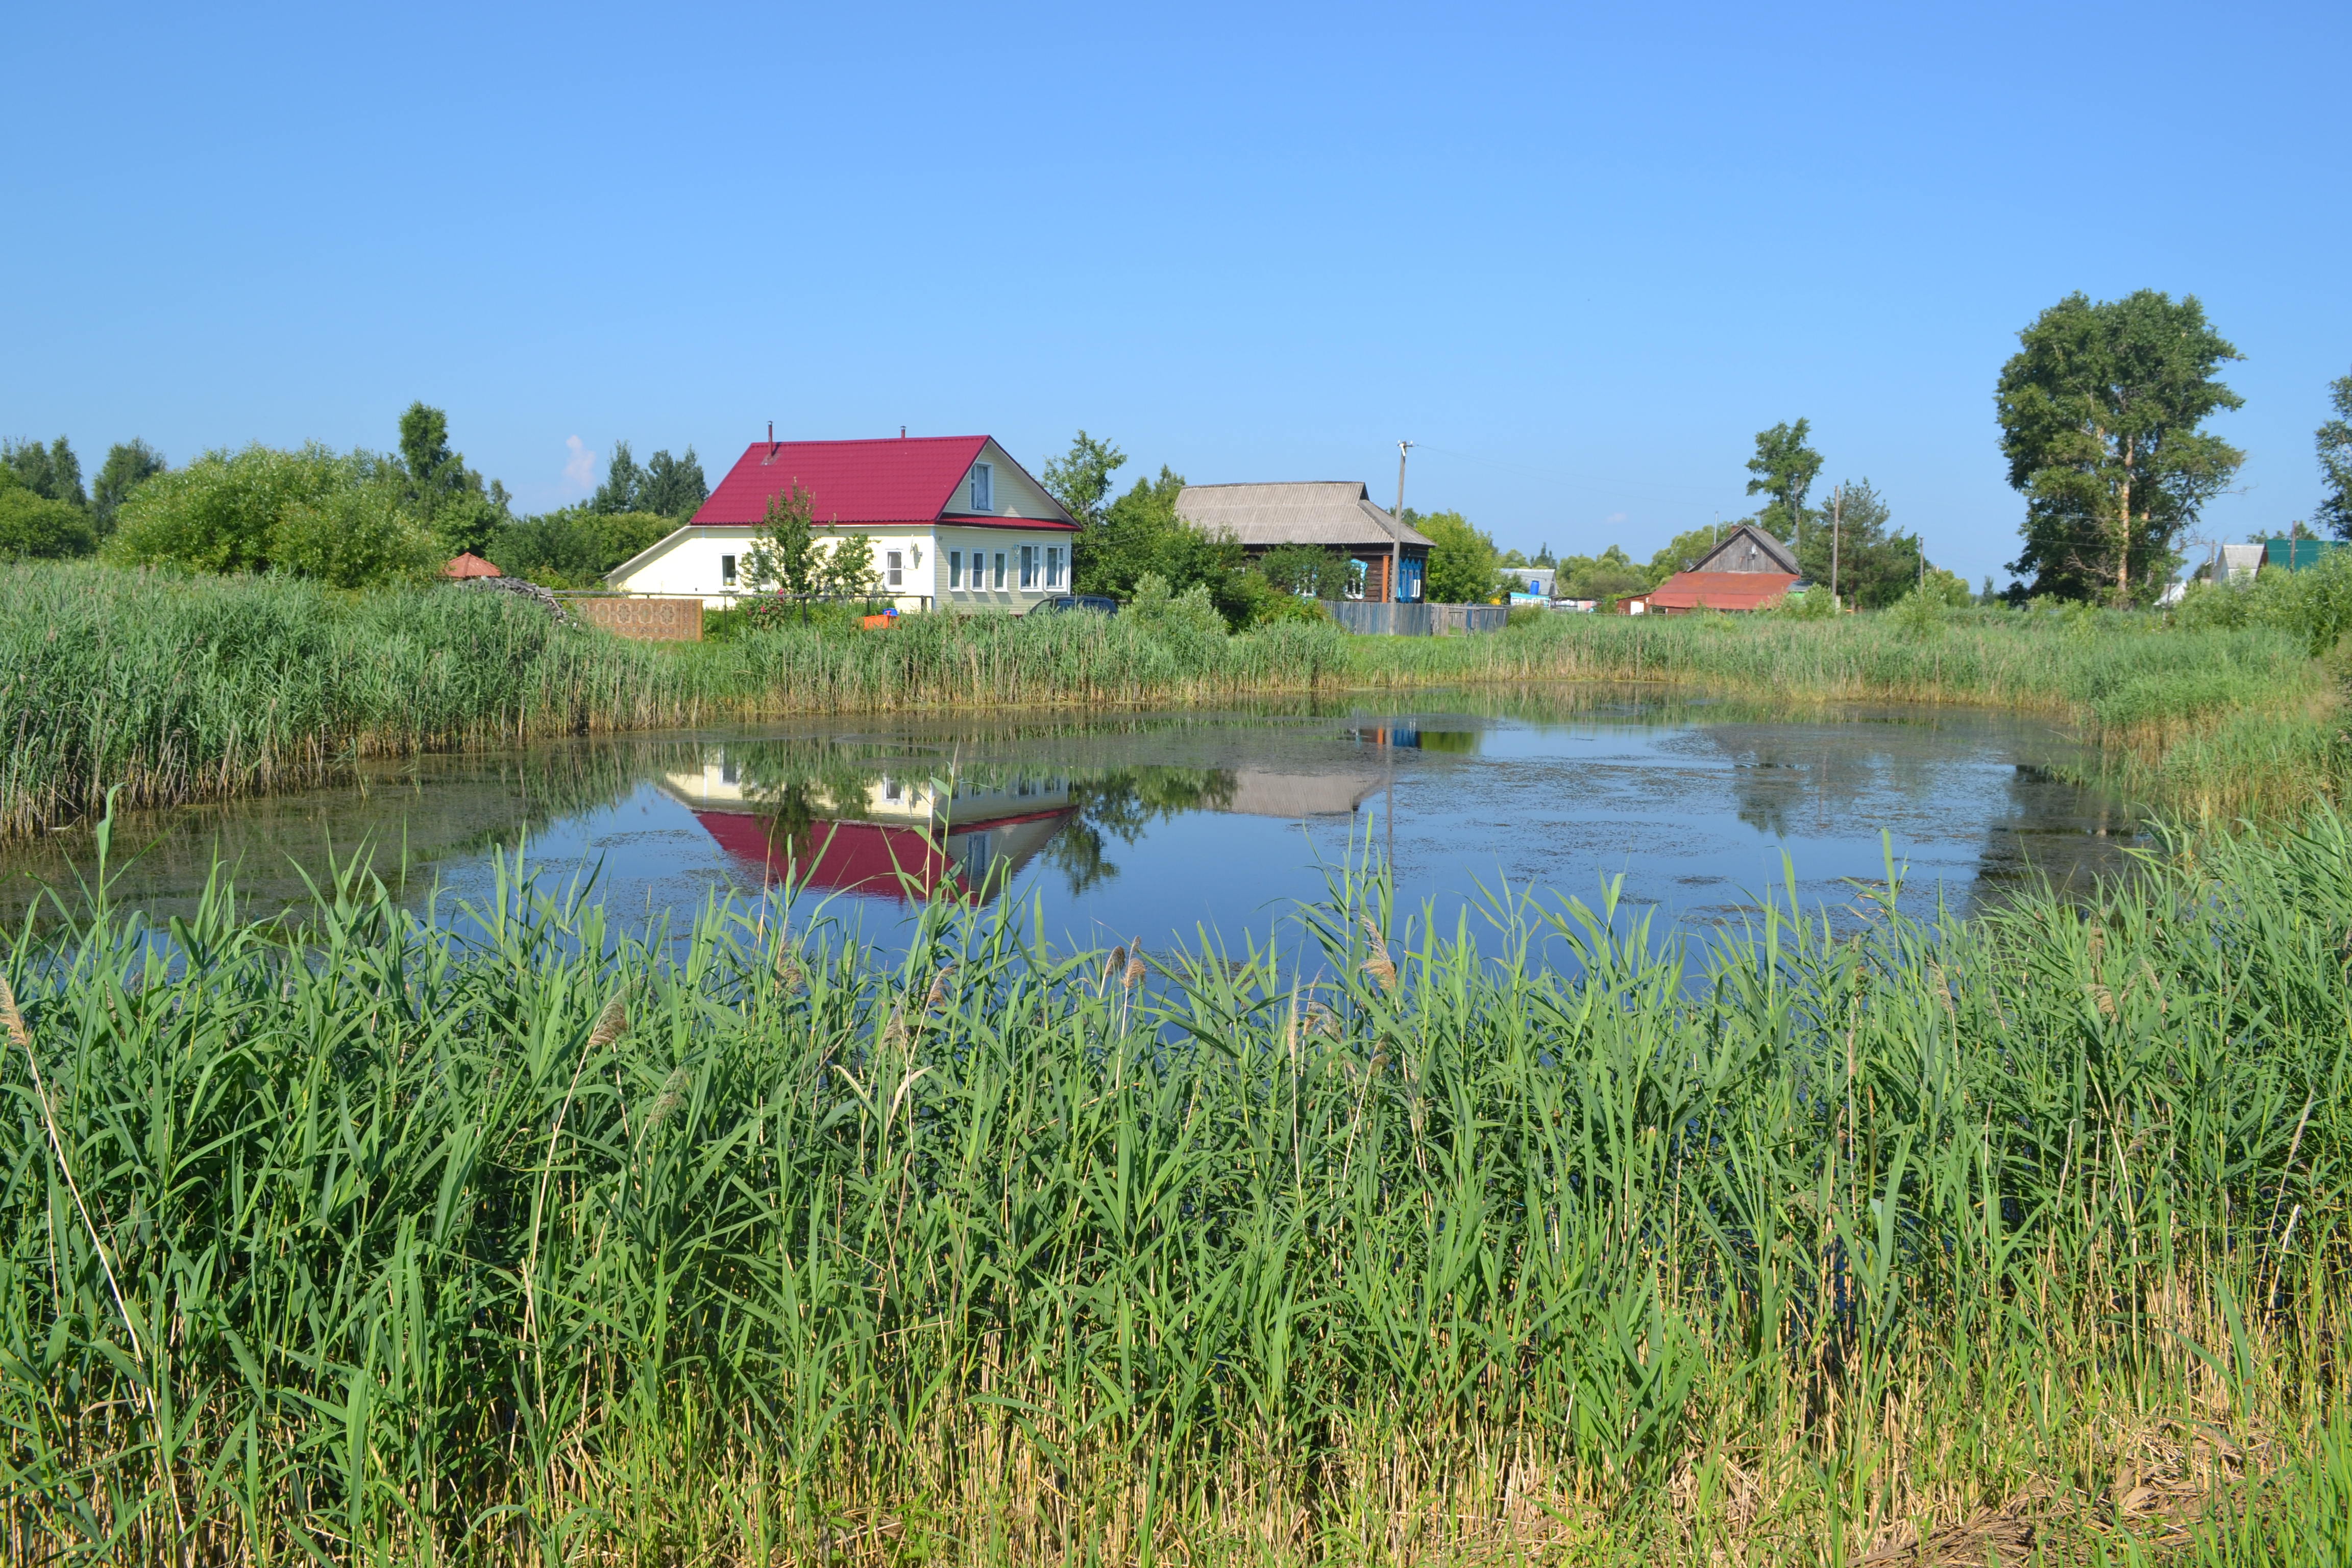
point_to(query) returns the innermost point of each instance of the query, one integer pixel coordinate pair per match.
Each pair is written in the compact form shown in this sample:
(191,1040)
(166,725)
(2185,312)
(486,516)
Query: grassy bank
(173,689)
(401,1249)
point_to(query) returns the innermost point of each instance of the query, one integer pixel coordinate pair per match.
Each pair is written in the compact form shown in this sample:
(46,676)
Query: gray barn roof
(1334,513)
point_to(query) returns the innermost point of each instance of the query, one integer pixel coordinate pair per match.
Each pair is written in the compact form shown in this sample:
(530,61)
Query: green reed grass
(172,689)
(1541,1240)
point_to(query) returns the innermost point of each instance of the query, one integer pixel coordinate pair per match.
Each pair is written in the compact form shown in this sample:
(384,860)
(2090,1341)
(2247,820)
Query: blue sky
(1580,254)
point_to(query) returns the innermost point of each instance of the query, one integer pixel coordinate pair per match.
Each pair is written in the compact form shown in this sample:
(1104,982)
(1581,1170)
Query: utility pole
(1837,517)
(1396,534)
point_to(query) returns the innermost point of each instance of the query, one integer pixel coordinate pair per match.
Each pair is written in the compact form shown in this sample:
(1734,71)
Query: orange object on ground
(881,622)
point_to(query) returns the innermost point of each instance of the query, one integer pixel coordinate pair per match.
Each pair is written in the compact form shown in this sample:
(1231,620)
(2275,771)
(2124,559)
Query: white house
(955,523)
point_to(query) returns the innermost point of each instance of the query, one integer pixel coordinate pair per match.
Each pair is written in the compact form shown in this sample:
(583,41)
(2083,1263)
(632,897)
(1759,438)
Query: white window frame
(1053,566)
(894,568)
(983,487)
(727,571)
(1028,568)
(955,569)
(1000,571)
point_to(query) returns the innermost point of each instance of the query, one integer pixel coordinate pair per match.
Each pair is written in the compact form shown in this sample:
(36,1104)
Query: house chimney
(902,432)
(771,441)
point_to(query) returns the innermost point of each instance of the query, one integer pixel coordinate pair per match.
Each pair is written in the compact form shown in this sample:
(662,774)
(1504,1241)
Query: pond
(1176,826)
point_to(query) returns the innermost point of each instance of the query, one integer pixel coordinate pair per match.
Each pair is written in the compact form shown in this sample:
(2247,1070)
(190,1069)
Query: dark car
(1100,604)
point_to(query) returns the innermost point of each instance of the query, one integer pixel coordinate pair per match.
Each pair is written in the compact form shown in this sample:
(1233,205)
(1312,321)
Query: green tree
(440,491)
(2335,442)
(1611,575)
(52,472)
(1306,569)
(784,559)
(129,464)
(846,570)
(1682,553)
(1876,566)
(1081,478)
(674,486)
(1784,469)
(2100,412)
(573,547)
(33,525)
(1461,559)
(624,486)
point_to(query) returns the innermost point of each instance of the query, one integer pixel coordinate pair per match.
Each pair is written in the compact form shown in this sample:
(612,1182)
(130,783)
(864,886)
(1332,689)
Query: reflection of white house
(954,522)
(902,827)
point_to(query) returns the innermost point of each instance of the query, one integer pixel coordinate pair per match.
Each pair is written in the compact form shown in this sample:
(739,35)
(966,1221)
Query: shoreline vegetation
(172,689)
(2023,1234)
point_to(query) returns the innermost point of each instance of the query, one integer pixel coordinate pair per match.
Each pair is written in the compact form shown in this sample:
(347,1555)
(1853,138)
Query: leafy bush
(2315,604)
(1192,612)
(1919,613)
(222,511)
(353,538)
(575,547)
(31,524)
(1815,604)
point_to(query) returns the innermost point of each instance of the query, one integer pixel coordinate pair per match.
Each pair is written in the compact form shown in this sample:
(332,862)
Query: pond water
(1177,826)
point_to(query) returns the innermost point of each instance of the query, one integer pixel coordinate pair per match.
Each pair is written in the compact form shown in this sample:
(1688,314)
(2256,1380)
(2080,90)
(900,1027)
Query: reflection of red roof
(468,564)
(1720,590)
(844,856)
(909,480)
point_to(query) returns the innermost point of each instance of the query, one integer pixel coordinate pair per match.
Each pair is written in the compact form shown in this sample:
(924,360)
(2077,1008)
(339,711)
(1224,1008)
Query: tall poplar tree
(2100,412)
(2335,442)
(1785,468)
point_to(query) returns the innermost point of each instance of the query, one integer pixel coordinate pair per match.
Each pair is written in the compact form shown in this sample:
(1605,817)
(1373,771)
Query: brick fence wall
(644,619)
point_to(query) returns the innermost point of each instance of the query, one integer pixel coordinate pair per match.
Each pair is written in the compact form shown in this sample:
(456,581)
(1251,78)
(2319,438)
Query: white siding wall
(988,543)
(688,563)
(1012,494)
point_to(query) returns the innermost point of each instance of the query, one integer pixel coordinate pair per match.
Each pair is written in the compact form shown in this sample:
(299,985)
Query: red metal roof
(844,856)
(1720,590)
(905,479)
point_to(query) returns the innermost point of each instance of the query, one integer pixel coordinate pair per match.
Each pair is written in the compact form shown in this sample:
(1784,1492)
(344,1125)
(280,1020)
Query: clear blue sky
(1582,253)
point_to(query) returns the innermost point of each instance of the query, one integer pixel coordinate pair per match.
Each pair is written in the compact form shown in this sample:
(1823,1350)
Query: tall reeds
(172,689)
(1378,1242)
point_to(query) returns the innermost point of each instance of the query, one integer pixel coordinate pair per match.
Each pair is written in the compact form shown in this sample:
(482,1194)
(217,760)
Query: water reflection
(1140,823)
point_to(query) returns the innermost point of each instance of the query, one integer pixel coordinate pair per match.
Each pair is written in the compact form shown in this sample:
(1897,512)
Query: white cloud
(580,469)
(1612,517)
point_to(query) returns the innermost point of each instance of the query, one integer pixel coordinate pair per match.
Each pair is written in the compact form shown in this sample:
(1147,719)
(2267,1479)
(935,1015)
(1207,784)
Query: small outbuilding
(1746,569)
(465,563)
(1337,515)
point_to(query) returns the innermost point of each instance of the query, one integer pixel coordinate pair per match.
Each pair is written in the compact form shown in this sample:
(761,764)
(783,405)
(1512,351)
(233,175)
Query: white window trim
(955,570)
(982,494)
(894,569)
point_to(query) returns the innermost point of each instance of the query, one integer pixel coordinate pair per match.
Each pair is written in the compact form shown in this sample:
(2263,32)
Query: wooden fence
(1416,620)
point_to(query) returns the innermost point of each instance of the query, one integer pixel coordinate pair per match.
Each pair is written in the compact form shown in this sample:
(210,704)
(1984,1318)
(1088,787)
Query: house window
(727,571)
(894,566)
(1028,566)
(983,497)
(955,568)
(1000,569)
(1408,579)
(1053,566)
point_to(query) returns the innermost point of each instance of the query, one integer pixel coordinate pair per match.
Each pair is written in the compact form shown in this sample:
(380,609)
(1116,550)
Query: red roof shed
(1687,591)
